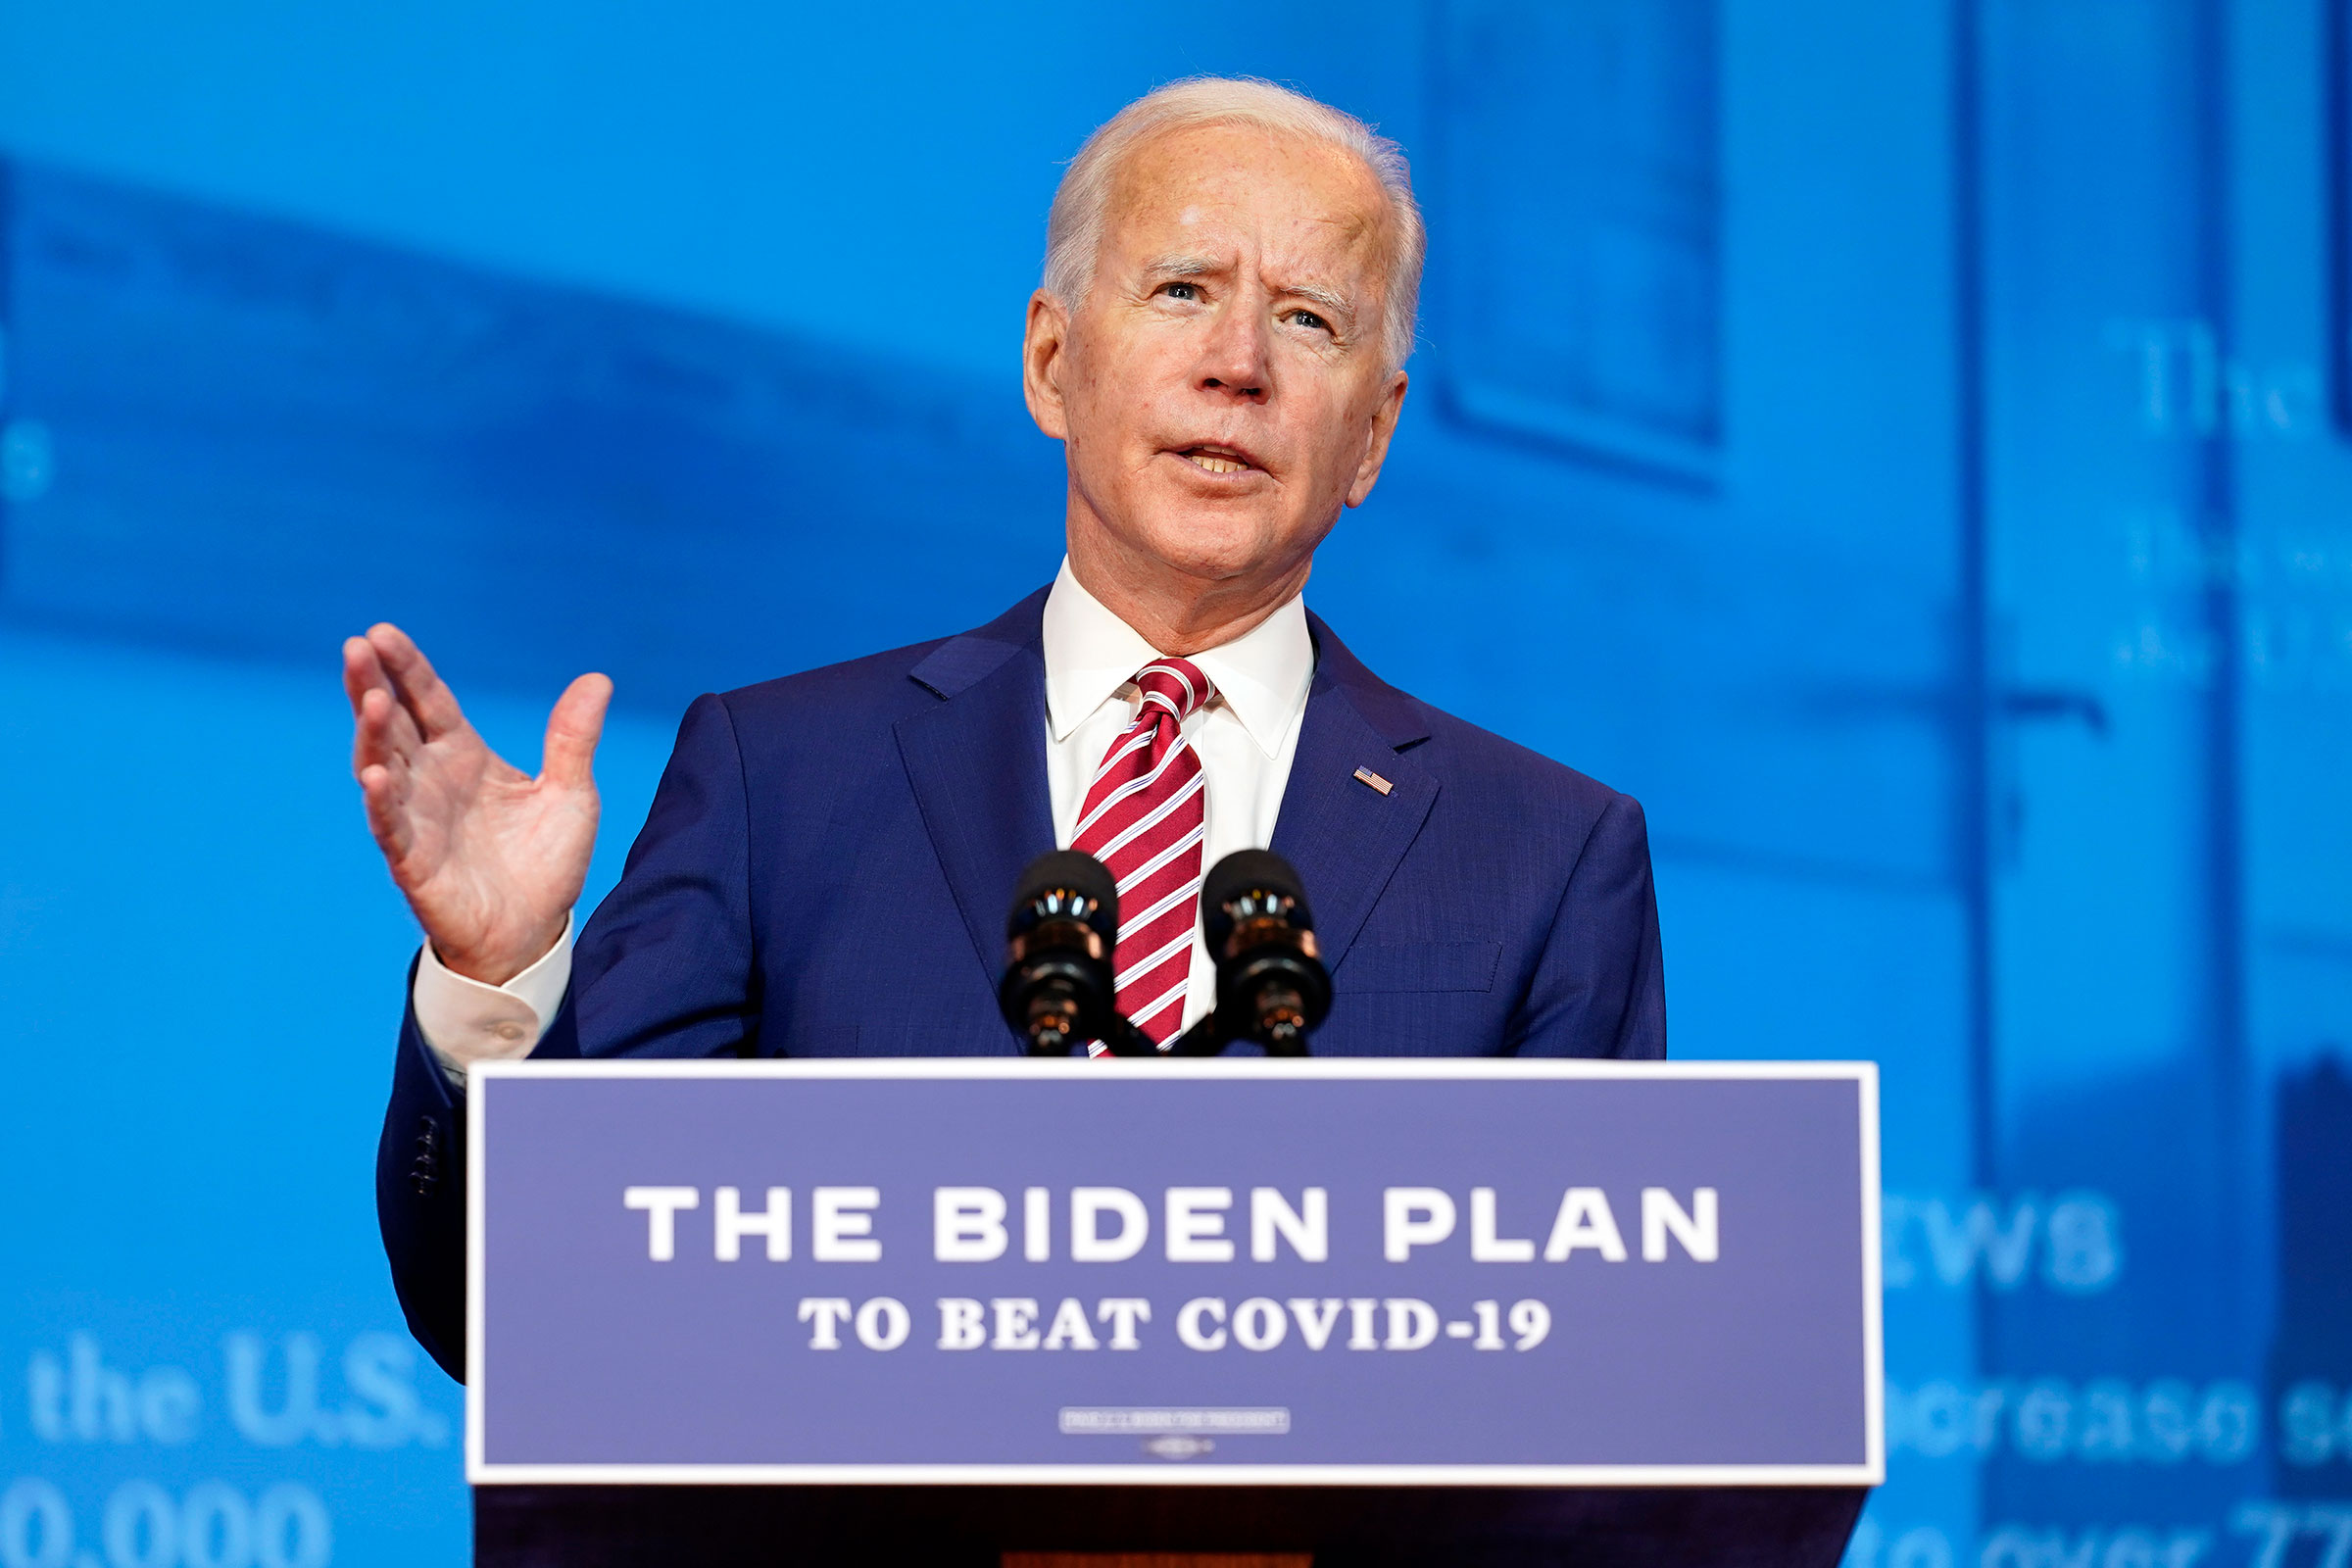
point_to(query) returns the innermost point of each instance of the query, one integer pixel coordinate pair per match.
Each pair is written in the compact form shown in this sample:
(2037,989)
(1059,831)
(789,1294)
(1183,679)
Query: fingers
(362,674)
(385,818)
(362,671)
(382,746)
(421,690)
(383,734)
(572,731)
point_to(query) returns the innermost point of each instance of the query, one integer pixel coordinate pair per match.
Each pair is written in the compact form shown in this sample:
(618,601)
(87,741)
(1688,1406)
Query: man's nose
(1234,358)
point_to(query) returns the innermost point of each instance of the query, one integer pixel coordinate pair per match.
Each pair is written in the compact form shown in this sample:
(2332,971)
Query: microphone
(1271,986)
(1058,989)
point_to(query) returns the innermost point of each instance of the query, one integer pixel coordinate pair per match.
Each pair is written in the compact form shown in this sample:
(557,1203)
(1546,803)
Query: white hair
(1074,227)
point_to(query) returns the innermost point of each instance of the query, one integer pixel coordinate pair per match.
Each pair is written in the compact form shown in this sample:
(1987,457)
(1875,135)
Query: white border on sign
(1864,1075)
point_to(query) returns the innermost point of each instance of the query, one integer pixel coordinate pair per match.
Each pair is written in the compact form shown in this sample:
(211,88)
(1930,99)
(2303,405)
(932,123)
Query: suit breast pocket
(1418,966)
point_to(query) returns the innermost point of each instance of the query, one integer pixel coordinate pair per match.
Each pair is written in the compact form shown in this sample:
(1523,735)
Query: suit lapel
(976,761)
(1344,836)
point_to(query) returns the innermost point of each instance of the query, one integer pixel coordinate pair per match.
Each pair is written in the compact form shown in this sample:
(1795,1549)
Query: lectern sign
(1312,1271)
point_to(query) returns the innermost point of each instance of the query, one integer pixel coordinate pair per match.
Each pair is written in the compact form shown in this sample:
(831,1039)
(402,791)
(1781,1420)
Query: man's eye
(1311,321)
(1181,291)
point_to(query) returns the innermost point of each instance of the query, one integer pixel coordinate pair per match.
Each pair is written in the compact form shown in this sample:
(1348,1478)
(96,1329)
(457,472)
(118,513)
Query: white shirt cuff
(466,1021)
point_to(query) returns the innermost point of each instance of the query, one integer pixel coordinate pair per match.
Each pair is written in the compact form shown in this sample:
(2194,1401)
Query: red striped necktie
(1144,818)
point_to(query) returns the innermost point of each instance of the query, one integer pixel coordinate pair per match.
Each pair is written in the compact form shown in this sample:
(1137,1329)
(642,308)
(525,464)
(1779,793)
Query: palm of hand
(493,858)
(489,858)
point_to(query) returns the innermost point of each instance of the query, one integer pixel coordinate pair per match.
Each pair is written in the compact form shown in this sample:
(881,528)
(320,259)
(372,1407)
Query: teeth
(1215,463)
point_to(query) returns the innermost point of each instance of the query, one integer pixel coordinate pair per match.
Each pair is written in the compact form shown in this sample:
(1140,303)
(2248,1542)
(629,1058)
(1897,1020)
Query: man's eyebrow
(1178,264)
(1331,301)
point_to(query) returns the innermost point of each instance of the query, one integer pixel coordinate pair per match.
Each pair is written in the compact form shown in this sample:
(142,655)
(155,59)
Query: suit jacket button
(424,1173)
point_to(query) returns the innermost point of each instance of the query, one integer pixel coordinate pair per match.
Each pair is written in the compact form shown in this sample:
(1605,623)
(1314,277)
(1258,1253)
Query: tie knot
(1175,684)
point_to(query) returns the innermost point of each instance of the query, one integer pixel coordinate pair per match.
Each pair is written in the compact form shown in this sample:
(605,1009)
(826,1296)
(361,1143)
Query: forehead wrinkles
(1200,178)
(1355,240)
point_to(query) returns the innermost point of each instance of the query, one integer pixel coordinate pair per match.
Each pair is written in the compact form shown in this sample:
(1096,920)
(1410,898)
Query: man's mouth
(1216,459)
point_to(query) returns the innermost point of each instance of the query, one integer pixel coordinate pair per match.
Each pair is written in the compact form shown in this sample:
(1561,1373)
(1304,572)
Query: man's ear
(1376,450)
(1042,358)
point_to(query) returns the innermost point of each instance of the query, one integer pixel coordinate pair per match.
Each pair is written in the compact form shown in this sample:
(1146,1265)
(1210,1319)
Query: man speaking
(1230,271)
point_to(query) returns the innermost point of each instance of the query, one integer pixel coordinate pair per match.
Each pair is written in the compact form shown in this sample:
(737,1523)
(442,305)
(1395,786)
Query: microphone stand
(1204,1039)
(1126,1040)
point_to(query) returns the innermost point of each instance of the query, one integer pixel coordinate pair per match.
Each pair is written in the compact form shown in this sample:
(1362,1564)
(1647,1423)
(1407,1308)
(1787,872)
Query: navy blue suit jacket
(828,860)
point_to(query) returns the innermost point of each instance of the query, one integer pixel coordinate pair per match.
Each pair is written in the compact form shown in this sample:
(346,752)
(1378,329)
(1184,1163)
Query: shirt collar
(1090,653)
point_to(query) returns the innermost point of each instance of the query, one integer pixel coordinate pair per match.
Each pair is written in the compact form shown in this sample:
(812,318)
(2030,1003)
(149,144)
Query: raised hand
(490,858)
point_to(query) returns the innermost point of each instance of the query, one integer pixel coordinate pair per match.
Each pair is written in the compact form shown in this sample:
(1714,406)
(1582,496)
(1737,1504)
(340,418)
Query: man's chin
(1216,543)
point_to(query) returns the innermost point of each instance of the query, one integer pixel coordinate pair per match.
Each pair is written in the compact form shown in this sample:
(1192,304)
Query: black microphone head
(1068,883)
(1250,882)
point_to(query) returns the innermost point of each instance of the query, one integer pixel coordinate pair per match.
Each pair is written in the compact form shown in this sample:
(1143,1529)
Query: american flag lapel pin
(1364,775)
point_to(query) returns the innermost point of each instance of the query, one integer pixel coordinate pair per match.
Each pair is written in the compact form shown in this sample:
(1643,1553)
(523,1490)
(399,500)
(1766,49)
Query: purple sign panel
(1223,1271)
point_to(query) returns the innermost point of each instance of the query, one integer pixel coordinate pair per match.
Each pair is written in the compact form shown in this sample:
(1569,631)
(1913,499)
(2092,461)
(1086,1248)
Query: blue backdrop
(1904,444)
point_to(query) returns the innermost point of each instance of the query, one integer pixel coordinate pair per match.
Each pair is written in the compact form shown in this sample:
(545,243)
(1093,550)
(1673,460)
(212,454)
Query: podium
(995,1310)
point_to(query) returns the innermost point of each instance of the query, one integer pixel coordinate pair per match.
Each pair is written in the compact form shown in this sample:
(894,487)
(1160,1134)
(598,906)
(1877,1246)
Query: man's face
(1221,389)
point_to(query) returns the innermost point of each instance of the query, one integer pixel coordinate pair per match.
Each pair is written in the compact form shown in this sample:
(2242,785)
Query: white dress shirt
(1245,737)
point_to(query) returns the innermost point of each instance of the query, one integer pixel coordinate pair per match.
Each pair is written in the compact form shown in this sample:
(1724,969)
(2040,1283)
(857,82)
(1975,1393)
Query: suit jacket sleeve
(420,1197)
(1601,987)
(664,969)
